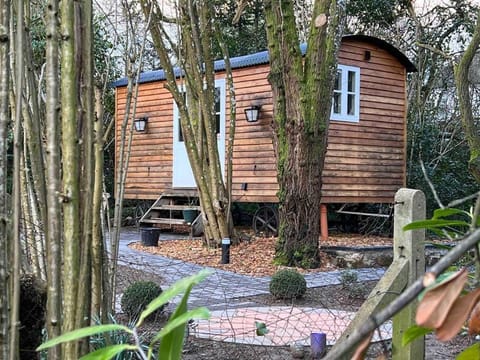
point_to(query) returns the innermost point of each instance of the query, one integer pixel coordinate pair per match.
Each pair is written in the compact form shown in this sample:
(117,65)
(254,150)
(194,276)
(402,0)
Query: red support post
(324,222)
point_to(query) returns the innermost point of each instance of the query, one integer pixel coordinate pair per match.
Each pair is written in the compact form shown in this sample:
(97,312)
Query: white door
(182,172)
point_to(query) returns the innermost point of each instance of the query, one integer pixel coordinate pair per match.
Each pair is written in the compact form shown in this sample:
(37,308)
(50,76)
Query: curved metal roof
(386,46)
(262,57)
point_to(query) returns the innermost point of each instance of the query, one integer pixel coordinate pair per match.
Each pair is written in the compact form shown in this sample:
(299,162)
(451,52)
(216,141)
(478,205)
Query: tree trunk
(197,120)
(14,251)
(30,220)
(53,227)
(4,119)
(232,127)
(71,173)
(465,102)
(134,58)
(98,250)
(84,26)
(35,156)
(302,90)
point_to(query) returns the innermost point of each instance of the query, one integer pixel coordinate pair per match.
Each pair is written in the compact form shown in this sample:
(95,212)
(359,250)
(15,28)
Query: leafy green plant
(261,328)
(349,281)
(447,303)
(446,222)
(288,284)
(170,337)
(116,337)
(138,295)
(348,277)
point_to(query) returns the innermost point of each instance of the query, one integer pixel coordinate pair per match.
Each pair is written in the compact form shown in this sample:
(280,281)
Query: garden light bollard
(318,344)
(226,251)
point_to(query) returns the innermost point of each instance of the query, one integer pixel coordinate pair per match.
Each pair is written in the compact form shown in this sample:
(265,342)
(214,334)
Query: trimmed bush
(288,284)
(137,296)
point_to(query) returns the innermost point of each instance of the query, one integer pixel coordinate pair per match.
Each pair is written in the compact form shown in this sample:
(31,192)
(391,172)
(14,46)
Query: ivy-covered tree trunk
(465,102)
(302,91)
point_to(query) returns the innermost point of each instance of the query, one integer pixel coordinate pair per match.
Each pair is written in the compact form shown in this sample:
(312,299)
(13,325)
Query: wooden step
(181,193)
(168,221)
(176,207)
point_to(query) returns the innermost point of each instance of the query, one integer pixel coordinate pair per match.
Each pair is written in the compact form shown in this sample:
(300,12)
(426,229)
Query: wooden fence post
(408,264)
(409,206)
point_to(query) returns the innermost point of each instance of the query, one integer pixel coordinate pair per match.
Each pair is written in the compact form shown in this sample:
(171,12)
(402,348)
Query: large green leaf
(172,343)
(440,246)
(442,213)
(414,332)
(108,352)
(81,333)
(177,288)
(199,313)
(470,353)
(434,223)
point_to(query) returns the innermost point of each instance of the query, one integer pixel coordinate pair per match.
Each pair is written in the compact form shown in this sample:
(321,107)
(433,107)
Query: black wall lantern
(140,124)
(252,112)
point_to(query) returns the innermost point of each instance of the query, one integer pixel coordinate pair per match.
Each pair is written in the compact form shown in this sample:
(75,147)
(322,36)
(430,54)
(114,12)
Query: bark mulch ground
(254,257)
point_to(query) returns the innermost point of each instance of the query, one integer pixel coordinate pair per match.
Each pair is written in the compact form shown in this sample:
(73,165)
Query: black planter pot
(150,236)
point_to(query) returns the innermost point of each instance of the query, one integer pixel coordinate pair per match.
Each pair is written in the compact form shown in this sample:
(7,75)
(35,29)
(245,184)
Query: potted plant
(190,214)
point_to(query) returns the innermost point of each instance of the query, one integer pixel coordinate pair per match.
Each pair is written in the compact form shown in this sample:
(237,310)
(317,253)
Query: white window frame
(343,115)
(219,84)
(182,175)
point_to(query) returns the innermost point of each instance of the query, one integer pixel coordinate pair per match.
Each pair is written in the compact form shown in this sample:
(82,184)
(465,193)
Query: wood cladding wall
(365,161)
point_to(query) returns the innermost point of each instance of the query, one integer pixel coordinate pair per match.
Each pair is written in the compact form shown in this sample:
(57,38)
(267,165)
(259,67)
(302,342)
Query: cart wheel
(139,212)
(265,221)
(197,226)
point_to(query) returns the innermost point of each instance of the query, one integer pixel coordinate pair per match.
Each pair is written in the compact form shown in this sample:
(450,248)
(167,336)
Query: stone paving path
(222,287)
(285,324)
(233,319)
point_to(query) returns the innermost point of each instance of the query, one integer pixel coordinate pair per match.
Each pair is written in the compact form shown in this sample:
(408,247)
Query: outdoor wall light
(140,124)
(252,112)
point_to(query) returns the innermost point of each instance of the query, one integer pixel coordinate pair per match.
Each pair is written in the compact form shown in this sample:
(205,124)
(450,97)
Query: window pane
(351,104)
(217,122)
(180,133)
(217,100)
(338,80)
(337,103)
(351,81)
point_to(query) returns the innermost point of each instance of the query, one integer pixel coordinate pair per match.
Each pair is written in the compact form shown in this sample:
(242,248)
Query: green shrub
(138,295)
(349,281)
(288,284)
